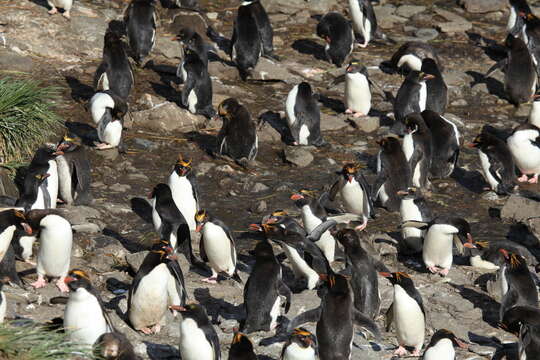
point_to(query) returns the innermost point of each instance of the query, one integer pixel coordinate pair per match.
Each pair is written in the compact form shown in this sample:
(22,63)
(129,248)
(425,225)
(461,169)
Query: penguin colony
(325,248)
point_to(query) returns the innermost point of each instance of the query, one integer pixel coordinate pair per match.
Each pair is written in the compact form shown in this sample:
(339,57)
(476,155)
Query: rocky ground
(111,232)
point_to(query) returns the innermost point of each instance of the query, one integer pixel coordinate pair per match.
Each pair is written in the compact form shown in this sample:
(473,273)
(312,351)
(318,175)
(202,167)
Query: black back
(520,72)
(520,282)
(197,80)
(263,26)
(237,137)
(140,23)
(337,32)
(437,92)
(307,113)
(245,42)
(241,348)
(408,97)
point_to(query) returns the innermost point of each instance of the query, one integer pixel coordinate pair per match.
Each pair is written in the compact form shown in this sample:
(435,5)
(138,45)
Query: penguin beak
(385,274)
(27,228)
(504,252)
(199,228)
(69,279)
(428,77)
(255,227)
(461,344)
(297,197)
(471,145)
(327,39)
(177,308)
(402,193)
(350,178)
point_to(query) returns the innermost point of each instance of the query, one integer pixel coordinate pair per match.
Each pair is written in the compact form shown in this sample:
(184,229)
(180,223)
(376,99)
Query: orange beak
(385,274)
(69,279)
(297,197)
(504,252)
(27,228)
(199,228)
(177,308)
(255,227)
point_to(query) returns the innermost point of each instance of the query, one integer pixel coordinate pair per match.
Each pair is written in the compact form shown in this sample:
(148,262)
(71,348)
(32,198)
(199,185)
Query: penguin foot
(358,114)
(401,351)
(210,280)
(146,330)
(348,111)
(533,180)
(363,45)
(103,146)
(433,269)
(523,178)
(52,11)
(444,272)
(361,227)
(66,15)
(416,352)
(61,285)
(41,282)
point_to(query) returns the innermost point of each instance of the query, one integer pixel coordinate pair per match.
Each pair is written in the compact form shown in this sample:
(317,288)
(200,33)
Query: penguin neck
(5,238)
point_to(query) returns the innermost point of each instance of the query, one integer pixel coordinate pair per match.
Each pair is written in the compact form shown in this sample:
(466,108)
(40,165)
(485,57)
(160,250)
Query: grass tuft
(27,118)
(32,342)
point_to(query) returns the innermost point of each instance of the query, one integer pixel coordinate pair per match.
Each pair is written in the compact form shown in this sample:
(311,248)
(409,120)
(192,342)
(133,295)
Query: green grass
(31,342)
(27,118)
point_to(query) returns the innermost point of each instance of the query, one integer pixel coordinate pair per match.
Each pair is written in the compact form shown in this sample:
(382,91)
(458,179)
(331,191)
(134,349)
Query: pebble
(298,156)
(426,34)
(259,187)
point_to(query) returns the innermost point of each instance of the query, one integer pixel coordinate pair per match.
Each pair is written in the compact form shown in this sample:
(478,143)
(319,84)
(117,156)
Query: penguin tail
(208,112)
(237,278)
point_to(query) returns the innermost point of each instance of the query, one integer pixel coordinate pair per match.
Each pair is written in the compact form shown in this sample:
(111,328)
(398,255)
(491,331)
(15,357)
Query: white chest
(410,211)
(296,352)
(149,301)
(98,104)
(423,96)
(408,318)
(353,197)
(437,250)
(300,267)
(5,239)
(3,306)
(112,133)
(511,19)
(442,350)
(357,16)
(182,193)
(55,239)
(413,62)
(218,248)
(408,146)
(357,93)
(192,101)
(525,154)
(52,183)
(303,135)
(83,317)
(63,4)
(64,179)
(289,105)
(193,342)
(534,115)
(484,161)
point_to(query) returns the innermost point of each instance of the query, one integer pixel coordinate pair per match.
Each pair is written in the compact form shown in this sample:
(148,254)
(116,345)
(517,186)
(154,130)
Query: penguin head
(182,167)
(163,249)
(201,217)
(263,249)
(43,155)
(192,311)
(447,334)
(303,197)
(159,189)
(303,338)
(185,35)
(241,343)
(17,218)
(78,279)
(429,67)
(347,237)
(336,283)
(228,108)
(398,278)
(350,170)
(413,122)
(112,38)
(356,67)
(464,231)
(514,261)
(518,316)
(69,142)
(276,216)
(304,90)
(389,144)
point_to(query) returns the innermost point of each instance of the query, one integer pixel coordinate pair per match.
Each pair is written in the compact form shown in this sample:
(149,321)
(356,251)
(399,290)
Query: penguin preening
(531,35)
(241,348)
(301,344)
(263,291)
(185,193)
(411,96)
(197,90)
(338,34)
(85,318)
(303,116)
(413,207)
(217,247)
(357,89)
(194,42)
(445,144)
(114,73)
(168,221)
(35,194)
(417,147)
(441,233)
(355,193)
(524,144)
(406,313)
(108,111)
(198,338)
(159,283)
(114,346)
(410,55)
(63,4)
(363,19)
(441,346)
(497,163)
(524,322)
(238,135)
(73,171)
(436,89)
(393,174)
(246,47)
(140,22)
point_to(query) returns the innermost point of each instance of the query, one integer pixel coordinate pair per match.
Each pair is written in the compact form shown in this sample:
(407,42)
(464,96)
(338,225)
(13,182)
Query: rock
(7,186)
(449,15)
(180,18)
(119,187)
(483,6)
(164,118)
(298,156)
(285,6)
(454,26)
(267,69)
(534,226)
(87,228)
(203,168)
(426,34)
(332,122)
(519,208)
(368,123)
(259,187)
(13,61)
(259,207)
(490,196)
(135,260)
(226,169)
(145,144)
(409,10)
(77,215)
(384,244)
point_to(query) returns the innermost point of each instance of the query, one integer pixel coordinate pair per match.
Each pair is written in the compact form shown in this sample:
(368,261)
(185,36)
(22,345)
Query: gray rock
(87,228)
(483,6)
(145,144)
(135,260)
(454,27)
(490,196)
(332,122)
(409,10)
(164,118)
(12,61)
(368,123)
(267,69)
(119,187)
(449,15)
(259,207)
(298,156)
(204,168)
(259,187)
(287,6)
(519,208)
(77,215)
(426,34)
(384,244)
(7,186)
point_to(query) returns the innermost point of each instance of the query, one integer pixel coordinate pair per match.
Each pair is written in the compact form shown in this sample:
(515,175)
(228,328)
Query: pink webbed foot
(444,272)
(210,280)
(416,352)
(348,111)
(364,45)
(523,178)
(61,285)
(358,114)
(433,269)
(66,15)
(534,179)
(103,146)
(156,329)
(361,227)
(400,351)
(52,11)
(146,331)
(41,282)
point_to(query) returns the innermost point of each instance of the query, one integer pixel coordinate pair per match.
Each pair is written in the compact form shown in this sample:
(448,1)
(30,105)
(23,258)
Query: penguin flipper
(82,169)
(365,322)
(337,80)
(334,189)
(284,290)
(312,315)
(102,69)
(189,85)
(213,339)
(368,208)
(415,224)
(316,234)
(202,252)
(459,245)
(176,272)
(389,317)
(501,64)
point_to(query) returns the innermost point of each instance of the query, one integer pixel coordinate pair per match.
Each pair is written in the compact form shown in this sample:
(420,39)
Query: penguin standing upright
(314,214)
(158,284)
(524,144)
(534,115)
(355,193)
(520,77)
(197,90)
(238,135)
(339,37)
(516,23)
(304,116)
(217,247)
(364,19)
(195,43)
(357,89)
(531,36)
(411,96)
(63,4)
(410,55)
(56,240)
(516,283)
(73,171)
(301,344)
(85,319)
(393,174)
(246,44)
(241,348)
(364,282)
(114,73)
(108,111)
(336,317)
(263,26)
(263,291)
(496,160)
(407,313)
(524,322)
(40,187)
(183,184)
(441,346)
(10,221)
(198,338)
(140,22)
(413,207)
(445,144)
(417,144)
(437,91)
(441,233)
